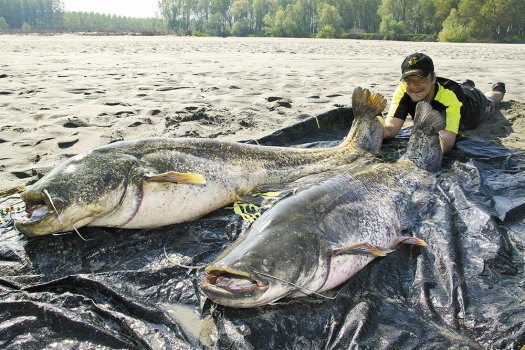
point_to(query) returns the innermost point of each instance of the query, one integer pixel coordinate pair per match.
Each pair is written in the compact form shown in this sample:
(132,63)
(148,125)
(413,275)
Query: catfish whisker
(78,233)
(60,219)
(296,286)
(197,267)
(53,205)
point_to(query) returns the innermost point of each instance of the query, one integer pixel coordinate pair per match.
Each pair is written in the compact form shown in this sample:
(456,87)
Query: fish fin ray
(365,103)
(429,120)
(180,178)
(414,241)
(362,248)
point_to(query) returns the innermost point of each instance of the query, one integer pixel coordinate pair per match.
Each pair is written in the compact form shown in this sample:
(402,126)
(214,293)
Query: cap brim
(418,72)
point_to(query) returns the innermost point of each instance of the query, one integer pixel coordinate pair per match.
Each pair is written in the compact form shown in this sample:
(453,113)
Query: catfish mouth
(39,208)
(230,284)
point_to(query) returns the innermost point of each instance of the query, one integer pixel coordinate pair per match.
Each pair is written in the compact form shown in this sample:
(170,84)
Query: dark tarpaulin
(134,289)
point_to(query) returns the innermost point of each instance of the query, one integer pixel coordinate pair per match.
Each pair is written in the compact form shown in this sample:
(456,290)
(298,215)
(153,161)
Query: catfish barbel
(318,238)
(153,182)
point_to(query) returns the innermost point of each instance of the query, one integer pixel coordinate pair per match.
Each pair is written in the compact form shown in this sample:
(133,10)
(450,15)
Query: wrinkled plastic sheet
(139,289)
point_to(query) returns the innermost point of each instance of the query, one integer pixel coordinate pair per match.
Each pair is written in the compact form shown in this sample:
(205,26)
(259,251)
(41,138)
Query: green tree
(240,11)
(260,9)
(490,20)
(366,15)
(169,12)
(396,9)
(329,22)
(410,12)
(284,23)
(495,14)
(3,24)
(454,29)
(222,18)
(26,27)
(391,28)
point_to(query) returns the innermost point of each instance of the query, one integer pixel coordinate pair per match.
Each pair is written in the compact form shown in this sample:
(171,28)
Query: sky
(128,8)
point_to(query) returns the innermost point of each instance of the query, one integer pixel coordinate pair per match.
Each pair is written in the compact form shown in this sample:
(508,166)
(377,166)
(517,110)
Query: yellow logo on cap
(412,61)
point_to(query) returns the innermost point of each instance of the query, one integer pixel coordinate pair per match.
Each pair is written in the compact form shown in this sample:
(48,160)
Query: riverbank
(62,95)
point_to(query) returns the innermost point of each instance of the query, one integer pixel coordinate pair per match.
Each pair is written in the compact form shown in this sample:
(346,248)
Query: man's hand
(392,127)
(448,139)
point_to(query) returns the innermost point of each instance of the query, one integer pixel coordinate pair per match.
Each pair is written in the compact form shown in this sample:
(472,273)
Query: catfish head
(78,192)
(274,259)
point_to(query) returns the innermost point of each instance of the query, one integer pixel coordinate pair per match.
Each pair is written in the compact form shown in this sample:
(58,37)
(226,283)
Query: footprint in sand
(76,123)
(67,142)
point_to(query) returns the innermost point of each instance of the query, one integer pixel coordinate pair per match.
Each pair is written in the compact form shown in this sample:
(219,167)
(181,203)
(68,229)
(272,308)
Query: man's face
(419,88)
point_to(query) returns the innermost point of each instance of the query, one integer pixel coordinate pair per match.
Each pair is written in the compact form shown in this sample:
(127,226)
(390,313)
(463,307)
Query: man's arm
(398,110)
(448,138)
(392,127)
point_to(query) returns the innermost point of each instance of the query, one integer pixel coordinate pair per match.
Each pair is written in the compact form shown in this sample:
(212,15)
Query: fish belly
(343,267)
(164,204)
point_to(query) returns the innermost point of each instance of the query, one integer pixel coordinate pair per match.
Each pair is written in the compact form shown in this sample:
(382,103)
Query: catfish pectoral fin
(413,241)
(180,178)
(362,248)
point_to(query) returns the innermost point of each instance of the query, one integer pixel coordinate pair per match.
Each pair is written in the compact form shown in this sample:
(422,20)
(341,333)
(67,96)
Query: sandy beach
(66,94)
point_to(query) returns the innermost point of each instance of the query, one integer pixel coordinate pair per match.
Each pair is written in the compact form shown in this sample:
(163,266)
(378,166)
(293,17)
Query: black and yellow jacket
(449,99)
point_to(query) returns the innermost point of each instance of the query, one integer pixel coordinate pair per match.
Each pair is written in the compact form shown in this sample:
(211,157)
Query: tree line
(444,20)
(49,15)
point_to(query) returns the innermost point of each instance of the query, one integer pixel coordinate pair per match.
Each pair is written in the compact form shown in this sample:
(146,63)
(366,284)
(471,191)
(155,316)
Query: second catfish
(319,238)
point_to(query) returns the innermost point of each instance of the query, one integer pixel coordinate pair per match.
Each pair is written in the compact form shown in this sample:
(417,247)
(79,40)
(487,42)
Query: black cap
(417,64)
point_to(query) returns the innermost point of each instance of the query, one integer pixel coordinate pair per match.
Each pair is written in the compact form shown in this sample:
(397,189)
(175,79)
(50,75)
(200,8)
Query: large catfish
(158,181)
(318,238)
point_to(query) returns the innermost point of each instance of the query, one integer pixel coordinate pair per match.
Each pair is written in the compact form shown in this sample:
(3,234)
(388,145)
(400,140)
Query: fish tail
(367,105)
(427,119)
(367,128)
(424,147)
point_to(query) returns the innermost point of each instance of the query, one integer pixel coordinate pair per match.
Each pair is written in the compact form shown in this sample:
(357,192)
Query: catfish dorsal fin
(175,177)
(362,248)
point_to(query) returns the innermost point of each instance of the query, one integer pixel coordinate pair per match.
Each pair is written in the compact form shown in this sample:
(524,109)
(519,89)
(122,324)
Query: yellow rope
(317,121)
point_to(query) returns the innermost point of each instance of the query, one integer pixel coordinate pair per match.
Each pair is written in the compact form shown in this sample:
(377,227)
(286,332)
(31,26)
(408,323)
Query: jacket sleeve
(452,111)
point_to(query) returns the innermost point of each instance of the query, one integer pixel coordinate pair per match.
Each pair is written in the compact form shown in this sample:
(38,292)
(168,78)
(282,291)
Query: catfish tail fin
(424,147)
(368,125)
(366,104)
(427,119)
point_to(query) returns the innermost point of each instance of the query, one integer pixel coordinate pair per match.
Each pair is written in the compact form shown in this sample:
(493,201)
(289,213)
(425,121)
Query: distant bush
(26,27)
(3,24)
(453,29)
(240,28)
(391,28)
(327,31)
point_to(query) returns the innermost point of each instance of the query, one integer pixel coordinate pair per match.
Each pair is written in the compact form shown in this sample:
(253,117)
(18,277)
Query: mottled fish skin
(320,237)
(158,181)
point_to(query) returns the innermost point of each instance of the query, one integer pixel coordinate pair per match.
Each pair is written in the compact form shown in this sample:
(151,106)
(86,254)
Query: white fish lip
(231,284)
